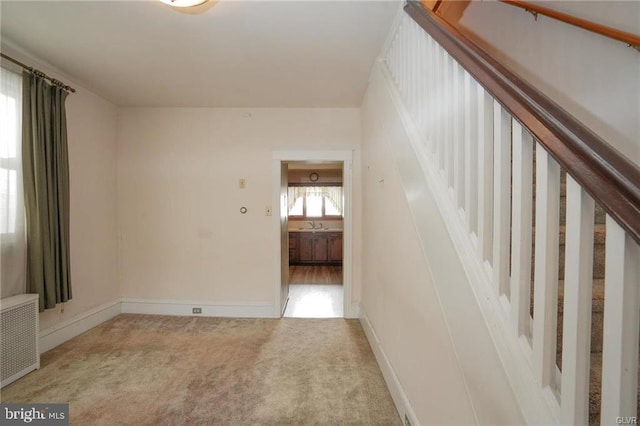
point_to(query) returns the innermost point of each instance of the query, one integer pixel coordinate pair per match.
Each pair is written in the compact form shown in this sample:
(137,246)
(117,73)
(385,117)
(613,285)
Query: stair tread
(597,295)
(599,233)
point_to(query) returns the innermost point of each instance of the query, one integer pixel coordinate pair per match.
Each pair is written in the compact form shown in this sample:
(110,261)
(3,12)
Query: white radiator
(18,337)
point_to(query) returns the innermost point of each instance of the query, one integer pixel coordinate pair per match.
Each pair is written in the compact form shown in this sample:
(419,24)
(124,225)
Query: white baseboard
(60,333)
(66,330)
(393,383)
(184,307)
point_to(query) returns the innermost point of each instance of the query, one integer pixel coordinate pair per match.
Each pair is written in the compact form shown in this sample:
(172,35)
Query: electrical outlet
(196,310)
(267,211)
(243,183)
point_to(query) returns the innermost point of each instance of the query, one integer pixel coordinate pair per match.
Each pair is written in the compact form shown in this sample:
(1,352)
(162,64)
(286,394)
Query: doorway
(315,238)
(313,266)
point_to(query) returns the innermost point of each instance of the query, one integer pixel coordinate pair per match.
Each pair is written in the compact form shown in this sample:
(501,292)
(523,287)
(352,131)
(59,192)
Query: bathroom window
(315,202)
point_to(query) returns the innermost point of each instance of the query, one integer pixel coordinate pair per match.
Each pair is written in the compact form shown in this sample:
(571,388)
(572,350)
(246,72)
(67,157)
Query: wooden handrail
(628,38)
(608,176)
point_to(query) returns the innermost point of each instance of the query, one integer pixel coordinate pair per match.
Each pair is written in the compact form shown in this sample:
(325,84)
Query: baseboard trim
(184,308)
(66,330)
(400,399)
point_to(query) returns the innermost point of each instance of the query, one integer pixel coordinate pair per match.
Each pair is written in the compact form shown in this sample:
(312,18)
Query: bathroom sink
(319,230)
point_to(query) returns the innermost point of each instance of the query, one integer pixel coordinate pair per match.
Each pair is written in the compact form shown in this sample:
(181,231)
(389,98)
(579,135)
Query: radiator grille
(18,344)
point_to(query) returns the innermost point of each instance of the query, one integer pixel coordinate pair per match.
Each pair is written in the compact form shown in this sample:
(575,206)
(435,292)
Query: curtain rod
(40,73)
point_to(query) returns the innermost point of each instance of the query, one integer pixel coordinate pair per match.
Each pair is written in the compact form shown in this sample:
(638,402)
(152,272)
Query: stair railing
(484,130)
(629,39)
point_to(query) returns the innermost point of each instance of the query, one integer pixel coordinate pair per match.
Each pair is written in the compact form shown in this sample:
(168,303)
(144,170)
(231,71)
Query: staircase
(597,305)
(536,191)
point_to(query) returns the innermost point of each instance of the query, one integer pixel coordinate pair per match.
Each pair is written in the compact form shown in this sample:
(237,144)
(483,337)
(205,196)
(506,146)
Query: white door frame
(314,156)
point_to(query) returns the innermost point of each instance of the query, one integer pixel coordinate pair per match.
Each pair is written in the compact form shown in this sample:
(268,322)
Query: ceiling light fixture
(183,3)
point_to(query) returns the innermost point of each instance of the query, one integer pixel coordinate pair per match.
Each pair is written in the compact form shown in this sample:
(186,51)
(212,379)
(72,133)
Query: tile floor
(315,301)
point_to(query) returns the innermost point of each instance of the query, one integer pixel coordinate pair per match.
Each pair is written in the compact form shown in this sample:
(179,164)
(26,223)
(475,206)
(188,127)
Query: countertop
(316,230)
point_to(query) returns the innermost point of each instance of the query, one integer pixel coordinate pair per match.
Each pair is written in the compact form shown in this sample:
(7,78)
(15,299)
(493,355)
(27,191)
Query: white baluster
(521,238)
(446,139)
(401,59)
(545,314)
(406,54)
(461,142)
(442,121)
(458,134)
(411,64)
(449,95)
(621,325)
(576,335)
(431,93)
(410,69)
(419,66)
(433,98)
(439,117)
(502,197)
(471,149)
(424,94)
(485,174)
(405,68)
(398,59)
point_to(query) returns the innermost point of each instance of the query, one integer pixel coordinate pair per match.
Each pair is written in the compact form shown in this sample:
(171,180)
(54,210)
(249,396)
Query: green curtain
(46,189)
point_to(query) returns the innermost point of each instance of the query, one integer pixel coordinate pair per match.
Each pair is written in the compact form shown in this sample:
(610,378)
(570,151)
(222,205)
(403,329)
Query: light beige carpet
(144,369)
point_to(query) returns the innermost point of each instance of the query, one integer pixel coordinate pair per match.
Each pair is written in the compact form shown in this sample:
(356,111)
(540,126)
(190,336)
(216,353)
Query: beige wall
(182,235)
(595,78)
(92,130)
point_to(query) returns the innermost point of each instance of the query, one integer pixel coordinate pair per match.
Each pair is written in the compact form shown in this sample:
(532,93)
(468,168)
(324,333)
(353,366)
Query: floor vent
(18,337)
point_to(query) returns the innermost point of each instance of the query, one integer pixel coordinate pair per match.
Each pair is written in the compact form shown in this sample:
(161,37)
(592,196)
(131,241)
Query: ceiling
(235,54)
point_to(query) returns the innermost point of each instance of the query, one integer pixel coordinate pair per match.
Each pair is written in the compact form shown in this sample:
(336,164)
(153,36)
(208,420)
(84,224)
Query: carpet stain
(167,370)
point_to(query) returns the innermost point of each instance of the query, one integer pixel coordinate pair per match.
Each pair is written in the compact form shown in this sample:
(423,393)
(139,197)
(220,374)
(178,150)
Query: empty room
(234,212)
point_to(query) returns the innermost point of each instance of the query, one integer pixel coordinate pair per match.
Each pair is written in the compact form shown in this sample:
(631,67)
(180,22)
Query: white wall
(398,294)
(182,235)
(415,293)
(595,78)
(92,130)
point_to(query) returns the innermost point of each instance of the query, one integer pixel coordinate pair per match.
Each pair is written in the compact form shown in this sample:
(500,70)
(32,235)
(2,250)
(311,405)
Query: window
(13,254)
(315,202)
(11,210)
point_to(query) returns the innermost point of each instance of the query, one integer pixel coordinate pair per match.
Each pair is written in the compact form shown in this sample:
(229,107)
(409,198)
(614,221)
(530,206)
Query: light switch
(243,183)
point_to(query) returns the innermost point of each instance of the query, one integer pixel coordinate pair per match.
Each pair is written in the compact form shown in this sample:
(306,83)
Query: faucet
(313,224)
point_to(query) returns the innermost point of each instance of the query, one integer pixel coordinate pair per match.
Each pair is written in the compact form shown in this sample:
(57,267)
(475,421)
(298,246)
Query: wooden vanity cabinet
(293,247)
(335,247)
(305,247)
(315,247)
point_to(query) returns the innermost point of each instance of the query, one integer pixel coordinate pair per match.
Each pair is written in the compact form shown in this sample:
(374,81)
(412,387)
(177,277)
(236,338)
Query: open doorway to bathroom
(315,207)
